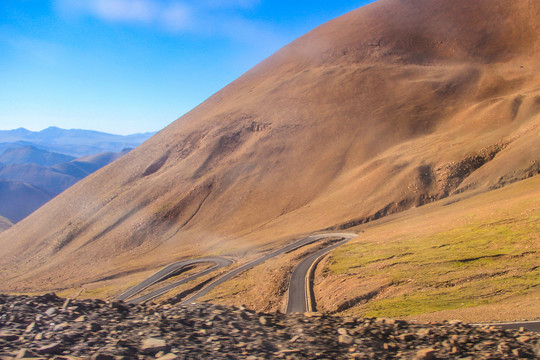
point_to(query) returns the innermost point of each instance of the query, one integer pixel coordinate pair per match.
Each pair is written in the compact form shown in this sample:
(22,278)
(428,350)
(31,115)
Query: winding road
(167,272)
(300,294)
(298,244)
(177,267)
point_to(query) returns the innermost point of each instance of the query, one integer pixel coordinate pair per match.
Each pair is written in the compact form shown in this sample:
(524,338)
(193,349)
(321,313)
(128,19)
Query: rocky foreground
(50,327)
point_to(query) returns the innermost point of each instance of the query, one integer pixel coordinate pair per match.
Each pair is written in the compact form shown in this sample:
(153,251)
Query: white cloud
(171,15)
(124,10)
(221,18)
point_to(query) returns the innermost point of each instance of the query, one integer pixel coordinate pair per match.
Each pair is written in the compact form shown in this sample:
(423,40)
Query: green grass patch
(477,262)
(473,293)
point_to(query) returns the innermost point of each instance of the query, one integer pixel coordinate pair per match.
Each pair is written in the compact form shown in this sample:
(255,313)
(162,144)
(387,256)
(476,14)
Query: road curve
(300,298)
(171,270)
(298,244)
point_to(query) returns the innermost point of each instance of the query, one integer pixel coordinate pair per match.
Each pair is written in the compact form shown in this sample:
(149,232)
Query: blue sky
(127,66)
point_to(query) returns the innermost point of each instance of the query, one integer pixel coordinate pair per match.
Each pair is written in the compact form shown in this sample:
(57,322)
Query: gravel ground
(49,327)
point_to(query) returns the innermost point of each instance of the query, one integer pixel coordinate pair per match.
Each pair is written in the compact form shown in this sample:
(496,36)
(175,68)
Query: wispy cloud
(172,15)
(205,17)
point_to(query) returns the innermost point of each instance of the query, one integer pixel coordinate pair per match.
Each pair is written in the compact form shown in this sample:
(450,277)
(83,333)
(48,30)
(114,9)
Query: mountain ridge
(389,107)
(73,142)
(33,155)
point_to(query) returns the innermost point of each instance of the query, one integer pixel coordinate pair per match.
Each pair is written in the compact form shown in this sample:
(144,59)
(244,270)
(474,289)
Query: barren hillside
(389,107)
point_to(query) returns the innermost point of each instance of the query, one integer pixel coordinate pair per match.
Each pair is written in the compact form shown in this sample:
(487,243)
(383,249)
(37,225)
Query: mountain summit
(389,107)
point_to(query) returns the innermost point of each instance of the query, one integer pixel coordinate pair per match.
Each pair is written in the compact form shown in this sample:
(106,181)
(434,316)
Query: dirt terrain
(385,109)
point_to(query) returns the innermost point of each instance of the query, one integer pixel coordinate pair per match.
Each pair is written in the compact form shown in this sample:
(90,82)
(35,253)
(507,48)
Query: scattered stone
(312,314)
(93,327)
(8,336)
(524,339)
(519,353)
(100,356)
(169,356)
(152,346)
(30,327)
(406,337)
(345,339)
(26,354)
(61,327)
(54,348)
(426,354)
(503,347)
(266,345)
(81,318)
(98,330)
(50,311)
(66,303)
(424,332)
(294,338)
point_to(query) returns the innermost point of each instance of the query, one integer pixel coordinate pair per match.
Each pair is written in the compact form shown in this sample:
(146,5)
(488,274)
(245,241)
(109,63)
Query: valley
(413,125)
(31,173)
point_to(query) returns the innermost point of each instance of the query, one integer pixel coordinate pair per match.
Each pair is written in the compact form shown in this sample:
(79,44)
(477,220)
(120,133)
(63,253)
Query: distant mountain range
(73,142)
(18,199)
(32,155)
(37,166)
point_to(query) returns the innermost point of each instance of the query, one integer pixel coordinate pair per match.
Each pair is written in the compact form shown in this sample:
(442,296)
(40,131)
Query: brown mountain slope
(386,108)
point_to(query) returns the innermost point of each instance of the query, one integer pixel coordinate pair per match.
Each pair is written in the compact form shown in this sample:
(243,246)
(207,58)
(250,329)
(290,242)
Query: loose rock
(426,354)
(152,346)
(54,348)
(107,331)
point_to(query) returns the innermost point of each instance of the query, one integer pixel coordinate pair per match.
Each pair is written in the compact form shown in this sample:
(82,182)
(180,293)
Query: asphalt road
(303,242)
(300,292)
(171,270)
(156,293)
(527,325)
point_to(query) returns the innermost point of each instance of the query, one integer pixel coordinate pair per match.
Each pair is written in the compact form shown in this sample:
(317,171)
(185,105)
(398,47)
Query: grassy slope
(476,259)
